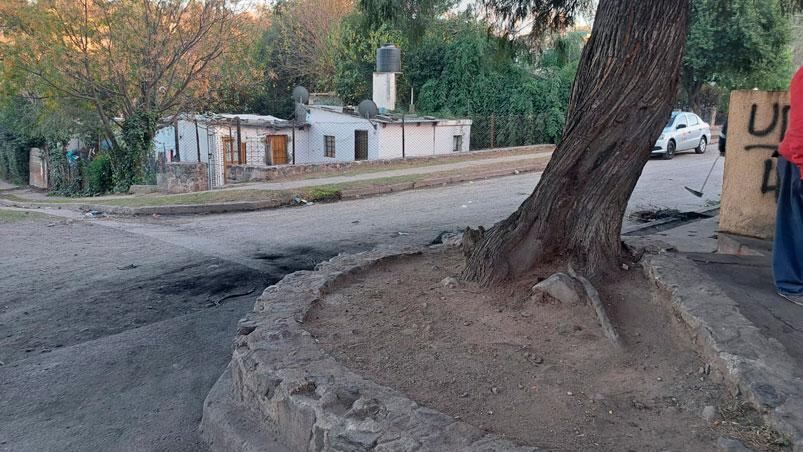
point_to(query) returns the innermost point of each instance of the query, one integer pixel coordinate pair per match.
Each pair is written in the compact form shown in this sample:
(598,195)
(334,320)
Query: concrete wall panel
(757,122)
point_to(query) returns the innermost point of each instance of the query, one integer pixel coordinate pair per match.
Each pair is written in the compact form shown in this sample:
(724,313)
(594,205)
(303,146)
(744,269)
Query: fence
(332,137)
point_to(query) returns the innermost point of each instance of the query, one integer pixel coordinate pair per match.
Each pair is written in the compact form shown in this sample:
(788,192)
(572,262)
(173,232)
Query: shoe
(796,299)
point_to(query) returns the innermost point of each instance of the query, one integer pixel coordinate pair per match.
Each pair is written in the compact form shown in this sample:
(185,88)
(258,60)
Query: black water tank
(388,58)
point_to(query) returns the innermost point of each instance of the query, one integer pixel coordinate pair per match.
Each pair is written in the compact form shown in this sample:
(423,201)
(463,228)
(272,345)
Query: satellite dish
(367,109)
(301,112)
(300,94)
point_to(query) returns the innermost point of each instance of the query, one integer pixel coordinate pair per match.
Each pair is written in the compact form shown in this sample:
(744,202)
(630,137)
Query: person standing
(787,249)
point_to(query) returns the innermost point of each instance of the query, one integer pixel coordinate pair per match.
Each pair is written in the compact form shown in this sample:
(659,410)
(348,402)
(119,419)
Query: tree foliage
(128,59)
(460,70)
(297,48)
(355,56)
(736,44)
(410,17)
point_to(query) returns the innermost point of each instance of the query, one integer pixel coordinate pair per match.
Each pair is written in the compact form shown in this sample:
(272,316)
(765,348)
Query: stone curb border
(753,365)
(281,387)
(248,206)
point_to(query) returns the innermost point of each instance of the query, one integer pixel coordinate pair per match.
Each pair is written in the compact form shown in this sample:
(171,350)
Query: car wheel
(700,149)
(670,151)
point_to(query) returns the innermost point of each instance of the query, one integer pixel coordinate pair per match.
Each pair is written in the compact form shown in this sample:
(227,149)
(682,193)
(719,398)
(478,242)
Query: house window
(457,143)
(328,146)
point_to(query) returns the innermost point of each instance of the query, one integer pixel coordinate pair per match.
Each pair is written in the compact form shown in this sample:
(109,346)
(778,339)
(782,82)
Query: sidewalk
(6,186)
(731,303)
(268,195)
(469,165)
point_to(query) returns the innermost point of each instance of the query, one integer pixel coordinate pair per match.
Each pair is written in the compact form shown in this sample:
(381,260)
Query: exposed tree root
(593,298)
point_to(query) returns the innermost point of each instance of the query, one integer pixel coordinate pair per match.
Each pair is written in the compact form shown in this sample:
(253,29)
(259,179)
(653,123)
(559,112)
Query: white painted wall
(384,91)
(390,141)
(165,141)
(445,132)
(422,139)
(342,127)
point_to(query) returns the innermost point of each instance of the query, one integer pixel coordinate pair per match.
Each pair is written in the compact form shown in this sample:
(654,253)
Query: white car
(684,131)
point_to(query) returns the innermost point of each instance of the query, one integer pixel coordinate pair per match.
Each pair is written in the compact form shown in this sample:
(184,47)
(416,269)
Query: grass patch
(204,197)
(417,163)
(325,193)
(14,216)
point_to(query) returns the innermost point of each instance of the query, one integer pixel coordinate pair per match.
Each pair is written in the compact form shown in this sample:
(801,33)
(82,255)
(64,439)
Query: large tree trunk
(622,97)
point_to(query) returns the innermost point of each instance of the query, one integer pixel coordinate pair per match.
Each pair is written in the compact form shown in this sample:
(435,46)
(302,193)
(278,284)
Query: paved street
(115,347)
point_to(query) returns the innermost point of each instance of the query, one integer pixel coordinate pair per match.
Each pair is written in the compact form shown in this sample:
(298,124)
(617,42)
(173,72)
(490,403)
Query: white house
(264,141)
(339,134)
(326,133)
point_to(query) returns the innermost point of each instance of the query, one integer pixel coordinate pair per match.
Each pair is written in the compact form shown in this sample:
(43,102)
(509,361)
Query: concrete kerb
(281,386)
(753,364)
(176,209)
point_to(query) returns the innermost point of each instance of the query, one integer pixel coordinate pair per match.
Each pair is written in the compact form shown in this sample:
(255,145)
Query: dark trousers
(787,250)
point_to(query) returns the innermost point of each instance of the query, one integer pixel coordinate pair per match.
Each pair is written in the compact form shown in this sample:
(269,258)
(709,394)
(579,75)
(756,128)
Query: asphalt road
(110,336)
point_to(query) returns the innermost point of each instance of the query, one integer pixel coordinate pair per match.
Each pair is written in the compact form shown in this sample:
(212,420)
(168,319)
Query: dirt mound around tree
(533,370)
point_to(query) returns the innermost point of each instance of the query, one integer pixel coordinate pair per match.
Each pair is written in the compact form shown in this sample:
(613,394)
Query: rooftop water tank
(388,58)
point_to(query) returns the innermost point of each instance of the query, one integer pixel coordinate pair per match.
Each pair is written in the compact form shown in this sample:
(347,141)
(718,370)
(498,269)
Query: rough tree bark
(621,99)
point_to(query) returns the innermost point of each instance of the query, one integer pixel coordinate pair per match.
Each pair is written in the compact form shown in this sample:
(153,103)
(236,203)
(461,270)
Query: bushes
(14,163)
(99,175)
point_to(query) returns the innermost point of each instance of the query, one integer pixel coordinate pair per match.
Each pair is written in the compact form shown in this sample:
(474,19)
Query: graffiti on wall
(779,122)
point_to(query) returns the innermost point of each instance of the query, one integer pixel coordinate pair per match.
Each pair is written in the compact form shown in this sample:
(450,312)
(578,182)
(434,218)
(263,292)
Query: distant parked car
(684,131)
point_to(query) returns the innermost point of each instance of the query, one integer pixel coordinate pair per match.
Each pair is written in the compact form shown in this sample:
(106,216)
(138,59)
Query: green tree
(297,49)
(410,17)
(736,44)
(458,69)
(129,59)
(355,56)
(622,94)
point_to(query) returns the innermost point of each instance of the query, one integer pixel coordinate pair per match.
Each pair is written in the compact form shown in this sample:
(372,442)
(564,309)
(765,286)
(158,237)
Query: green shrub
(99,175)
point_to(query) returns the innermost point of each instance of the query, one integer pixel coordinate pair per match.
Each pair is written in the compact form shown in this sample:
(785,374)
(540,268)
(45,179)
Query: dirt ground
(539,372)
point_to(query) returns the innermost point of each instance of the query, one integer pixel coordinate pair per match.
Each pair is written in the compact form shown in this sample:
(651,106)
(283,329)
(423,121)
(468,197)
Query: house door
(360,145)
(231,155)
(277,149)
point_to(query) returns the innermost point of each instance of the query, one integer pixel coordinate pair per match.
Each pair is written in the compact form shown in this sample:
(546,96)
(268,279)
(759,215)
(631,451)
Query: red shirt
(792,146)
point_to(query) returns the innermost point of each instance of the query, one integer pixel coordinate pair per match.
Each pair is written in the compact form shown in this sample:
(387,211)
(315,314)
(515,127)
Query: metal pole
(493,131)
(212,170)
(197,140)
(403,156)
(175,128)
(294,139)
(239,142)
